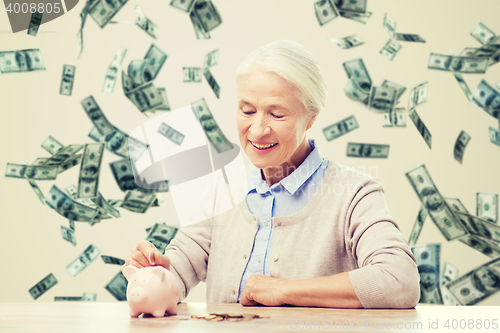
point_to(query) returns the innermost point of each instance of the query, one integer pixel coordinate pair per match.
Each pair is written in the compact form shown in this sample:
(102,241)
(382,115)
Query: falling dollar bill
(145,97)
(21,61)
(41,287)
(112,260)
(89,297)
(36,172)
(96,115)
(40,160)
(62,155)
(119,143)
(480,227)
(72,190)
(348,42)
(72,161)
(171,134)
(448,274)
(210,127)
(165,104)
(102,11)
(67,298)
(211,58)
(68,234)
(207,14)
(354,92)
(144,23)
(409,38)
(489,49)
(79,43)
(478,284)
(161,235)
(198,27)
(462,141)
(112,73)
(37,190)
(418,95)
(390,49)
(434,203)
(487,98)
(358,17)
(325,11)
(88,182)
(459,64)
(428,259)
(400,89)
(35,21)
(124,174)
(340,128)
(104,204)
(356,69)
(417,226)
(481,245)
(191,74)
(184,5)
(211,81)
(118,287)
(367,150)
(482,33)
(463,85)
(136,72)
(63,204)
(52,145)
(456,205)
(468,51)
(487,206)
(422,129)
(68,77)
(395,118)
(389,24)
(382,99)
(137,201)
(358,6)
(83,260)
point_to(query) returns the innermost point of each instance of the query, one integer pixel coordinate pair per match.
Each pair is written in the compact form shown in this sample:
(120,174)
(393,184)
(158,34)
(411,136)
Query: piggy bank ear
(159,271)
(128,271)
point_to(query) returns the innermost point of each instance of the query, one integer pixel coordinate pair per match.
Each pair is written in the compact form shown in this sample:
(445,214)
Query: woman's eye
(247,112)
(276,116)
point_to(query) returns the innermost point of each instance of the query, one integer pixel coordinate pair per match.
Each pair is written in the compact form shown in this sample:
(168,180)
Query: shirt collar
(294,180)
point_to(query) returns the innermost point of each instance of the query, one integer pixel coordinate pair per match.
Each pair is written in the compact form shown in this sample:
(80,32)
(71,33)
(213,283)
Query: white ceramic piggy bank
(151,290)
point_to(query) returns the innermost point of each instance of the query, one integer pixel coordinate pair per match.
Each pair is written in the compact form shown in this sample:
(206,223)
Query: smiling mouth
(263,147)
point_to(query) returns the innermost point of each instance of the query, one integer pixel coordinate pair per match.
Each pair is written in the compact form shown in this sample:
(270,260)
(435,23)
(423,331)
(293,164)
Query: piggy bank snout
(137,294)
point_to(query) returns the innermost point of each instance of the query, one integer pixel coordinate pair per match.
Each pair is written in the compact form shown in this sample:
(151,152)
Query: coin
(217,318)
(210,317)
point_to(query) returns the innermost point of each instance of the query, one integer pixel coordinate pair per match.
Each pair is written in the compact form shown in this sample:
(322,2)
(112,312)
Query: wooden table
(74,317)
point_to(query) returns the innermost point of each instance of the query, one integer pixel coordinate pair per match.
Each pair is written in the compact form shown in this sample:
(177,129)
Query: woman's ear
(311,122)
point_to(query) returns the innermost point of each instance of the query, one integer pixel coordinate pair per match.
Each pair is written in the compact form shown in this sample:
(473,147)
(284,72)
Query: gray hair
(292,62)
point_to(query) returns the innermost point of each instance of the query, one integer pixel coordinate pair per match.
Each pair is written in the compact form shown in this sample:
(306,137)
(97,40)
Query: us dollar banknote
(325,11)
(64,205)
(210,127)
(354,92)
(347,42)
(395,118)
(480,227)
(211,82)
(409,38)
(487,206)
(358,6)
(83,260)
(198,27)
(165,104)
(462,141)
(356,69)
(137,201)
(70,162)
(191,74)
(489,50)
(40,160)
(418,95)
(119,143)
(448,274)
(89,297)
(62,155)
(422,129)
(482,33)
(37,190)
(382,99)
(35,172)
(481,245)
(68,234)
(144,23)
(136,71)
(486,97)
(389,24)
(390,49)
(155,58)
(96,115)
(184,5)
(399,88)
(207,14)
(494,136)
(211,58)
(478,284)
(112,260)
(124,174)
(41,287)
(118,287)
(67,298)
(463,85)
(340,128)
(428,262)
(72,190)
(456,205)
(145,97)
(103,11)
(52,145)
(68,77)
(105,205)
(35,21)
(417,226)
(88,182)
(171,134)
(459,64)
(112,73)
(21,61)
(434,203)
(161,235)
(367,150)
(358,17)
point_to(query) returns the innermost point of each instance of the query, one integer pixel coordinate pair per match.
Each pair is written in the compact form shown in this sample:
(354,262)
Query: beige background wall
(32,109)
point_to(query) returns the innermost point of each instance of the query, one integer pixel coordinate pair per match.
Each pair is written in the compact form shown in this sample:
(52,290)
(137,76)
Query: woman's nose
(259,127)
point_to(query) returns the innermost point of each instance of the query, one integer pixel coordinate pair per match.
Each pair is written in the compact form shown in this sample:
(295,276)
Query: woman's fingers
(139,256)
(160,259)
(133,262)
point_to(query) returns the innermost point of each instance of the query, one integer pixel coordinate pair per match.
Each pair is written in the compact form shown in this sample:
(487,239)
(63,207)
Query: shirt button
(245,257)
(266,224)
(234,292)
(275,259)
(258,259)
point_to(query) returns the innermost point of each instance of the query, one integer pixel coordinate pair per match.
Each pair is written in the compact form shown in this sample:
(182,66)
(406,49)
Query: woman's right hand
(145,254)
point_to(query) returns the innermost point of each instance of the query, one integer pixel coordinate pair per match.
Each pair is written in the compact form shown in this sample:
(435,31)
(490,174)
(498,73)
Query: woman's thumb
(156,258)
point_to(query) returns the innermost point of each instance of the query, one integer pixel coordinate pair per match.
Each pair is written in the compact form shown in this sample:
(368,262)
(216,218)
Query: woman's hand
(145,254)
(262,289)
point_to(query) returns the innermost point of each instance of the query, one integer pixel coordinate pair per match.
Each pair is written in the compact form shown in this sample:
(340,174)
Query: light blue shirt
(286,197)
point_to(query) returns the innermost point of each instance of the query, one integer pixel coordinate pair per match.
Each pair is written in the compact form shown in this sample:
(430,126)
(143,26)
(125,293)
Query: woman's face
(269,112)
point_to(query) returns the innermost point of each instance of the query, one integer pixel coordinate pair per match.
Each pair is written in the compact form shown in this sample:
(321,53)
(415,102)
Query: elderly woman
(310,232)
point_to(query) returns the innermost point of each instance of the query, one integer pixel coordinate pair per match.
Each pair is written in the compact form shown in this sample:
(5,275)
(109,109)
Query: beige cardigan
(346,226)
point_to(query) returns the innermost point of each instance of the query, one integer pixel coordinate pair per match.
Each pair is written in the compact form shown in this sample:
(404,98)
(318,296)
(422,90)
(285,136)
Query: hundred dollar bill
(127,83)
(478,284)
(68,77)
(400,89)
(480,227)
(389,24)
(482,34)
(96,115)
(494,59)
(155,58)
(356,69)
(422,129)
(82,262)
(417,226)
(390,49)
(358,6)
(124,174)
(161,235)
(489,49)
(63,204)
(481,245)
(88,181)
(101,202)
(72,190)
(198,27)
(119,143)
(158,201)
(354,92)
(136,72)
(498,85)
(184,5)
(418,95)
(52,145)
(89,297)
(72,161)
(340,128)
(112,73)
(395,118)
(191,74)
(37,190)
(448,274)
(487,206)
(463,85)
(348,42)
(409,38)
(144,23)
(358,17)
(41,287)
(367,150)
(102,11)
(159,186)
(462,141)
(79,43)
(325,11)
(428,259)
(21,61)
(494,136)
(67,298)
(382,99)
(211,81)
(145,97)
(40,160)
(211,59)
(68,234)
(35,21)
(460,64)
(36,172)
(137,201)
(468,51)
(207,14)
(118,287)
(112,260)
(456,205)
(210,127)
(434,203)
(487,98)
(148,229)
(171,134)
(62,155)
(448,298)
(165,104)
